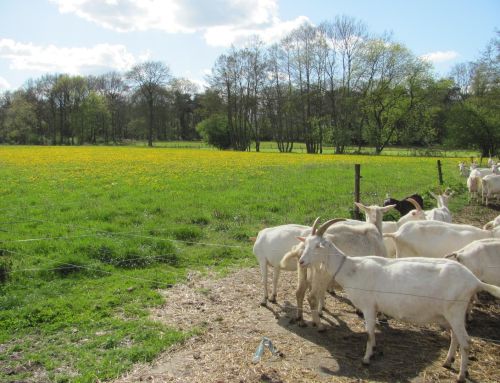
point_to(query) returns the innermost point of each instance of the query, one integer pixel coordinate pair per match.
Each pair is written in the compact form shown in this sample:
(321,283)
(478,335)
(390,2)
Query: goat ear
(301,239)
(360,206)
(385,209)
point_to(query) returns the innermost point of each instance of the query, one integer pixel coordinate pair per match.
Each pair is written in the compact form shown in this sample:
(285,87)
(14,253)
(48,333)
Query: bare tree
(113,87)
(463,75)
(148,78)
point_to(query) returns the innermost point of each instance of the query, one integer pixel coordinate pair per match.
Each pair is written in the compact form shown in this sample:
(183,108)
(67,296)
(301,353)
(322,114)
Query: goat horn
(316,221)
(488,226)
(414,203)
(327,224)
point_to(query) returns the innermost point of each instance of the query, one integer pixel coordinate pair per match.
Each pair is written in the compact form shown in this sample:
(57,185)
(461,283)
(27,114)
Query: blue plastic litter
(265,342)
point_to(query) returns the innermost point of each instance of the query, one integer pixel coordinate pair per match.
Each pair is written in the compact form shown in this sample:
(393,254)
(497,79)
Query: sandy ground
(232,325)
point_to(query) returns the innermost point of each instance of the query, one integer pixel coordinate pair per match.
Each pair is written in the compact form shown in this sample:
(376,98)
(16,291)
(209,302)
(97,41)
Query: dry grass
(233,324)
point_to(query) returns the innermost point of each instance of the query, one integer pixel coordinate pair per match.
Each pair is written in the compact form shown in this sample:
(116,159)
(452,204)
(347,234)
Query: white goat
(357,240)
(482,257)
(494,169)
(474,185)
(436,239)
(491,188)
(271,244)
(464,170)
(441,212)
(417,290)
(357,237)
(391,227)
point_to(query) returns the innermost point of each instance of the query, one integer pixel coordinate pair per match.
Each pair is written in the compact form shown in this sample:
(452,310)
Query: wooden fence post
(440,172)
(357,181)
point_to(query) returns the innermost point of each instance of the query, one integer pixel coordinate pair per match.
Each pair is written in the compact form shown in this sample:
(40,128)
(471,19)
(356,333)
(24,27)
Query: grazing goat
(404,206)
(441,212)
(416,290)
(491,188)
(435,239)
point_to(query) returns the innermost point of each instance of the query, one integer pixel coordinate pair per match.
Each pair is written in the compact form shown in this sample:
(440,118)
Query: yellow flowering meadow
(175,160)
(107,166)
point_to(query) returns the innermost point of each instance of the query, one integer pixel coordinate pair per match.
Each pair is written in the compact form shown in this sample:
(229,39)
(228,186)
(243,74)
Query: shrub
(215,131)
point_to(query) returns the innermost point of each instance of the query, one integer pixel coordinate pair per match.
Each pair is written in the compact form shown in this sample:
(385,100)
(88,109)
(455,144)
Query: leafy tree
(19,121)
(393,93)
(474,119)
(215,131)
(96,117)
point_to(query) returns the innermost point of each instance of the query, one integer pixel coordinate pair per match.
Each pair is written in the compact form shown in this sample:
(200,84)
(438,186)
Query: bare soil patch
(233,323)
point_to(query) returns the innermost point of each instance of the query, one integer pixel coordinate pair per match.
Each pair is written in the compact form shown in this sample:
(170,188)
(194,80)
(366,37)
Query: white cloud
(227,35)
(222,22)
(74,60)
(440,56)
(4,84)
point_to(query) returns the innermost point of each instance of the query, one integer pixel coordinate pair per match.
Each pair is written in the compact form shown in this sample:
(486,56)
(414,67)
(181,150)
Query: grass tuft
(187,233)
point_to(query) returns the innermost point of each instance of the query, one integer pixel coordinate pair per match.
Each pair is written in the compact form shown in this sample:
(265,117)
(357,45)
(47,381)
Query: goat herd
(421,269)
(482,180)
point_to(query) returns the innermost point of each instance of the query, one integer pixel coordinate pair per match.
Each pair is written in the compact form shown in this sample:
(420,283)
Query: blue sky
(96,36)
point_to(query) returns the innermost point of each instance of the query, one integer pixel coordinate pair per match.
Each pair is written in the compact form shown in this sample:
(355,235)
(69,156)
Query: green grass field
(89,235)
(299,147)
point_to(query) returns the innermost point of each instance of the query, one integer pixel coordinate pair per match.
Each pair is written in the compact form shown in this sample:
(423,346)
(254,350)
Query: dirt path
(232,322)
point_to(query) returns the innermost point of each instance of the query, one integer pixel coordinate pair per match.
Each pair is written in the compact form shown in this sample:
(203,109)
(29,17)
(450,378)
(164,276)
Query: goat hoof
(263,304)
(301,323)
(365,362)
(448,365)
(461,379)
(273,300)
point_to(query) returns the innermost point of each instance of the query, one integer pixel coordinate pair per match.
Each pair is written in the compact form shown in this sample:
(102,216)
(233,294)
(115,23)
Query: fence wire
(370,194)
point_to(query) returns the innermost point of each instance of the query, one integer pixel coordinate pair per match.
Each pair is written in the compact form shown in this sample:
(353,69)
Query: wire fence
(343,200)
(160,283)
(128,234)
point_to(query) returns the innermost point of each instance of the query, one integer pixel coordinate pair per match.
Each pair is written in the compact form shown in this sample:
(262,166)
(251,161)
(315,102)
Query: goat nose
(301,262)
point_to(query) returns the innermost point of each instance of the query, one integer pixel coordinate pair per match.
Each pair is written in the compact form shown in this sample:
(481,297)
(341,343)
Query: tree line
(332,84)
